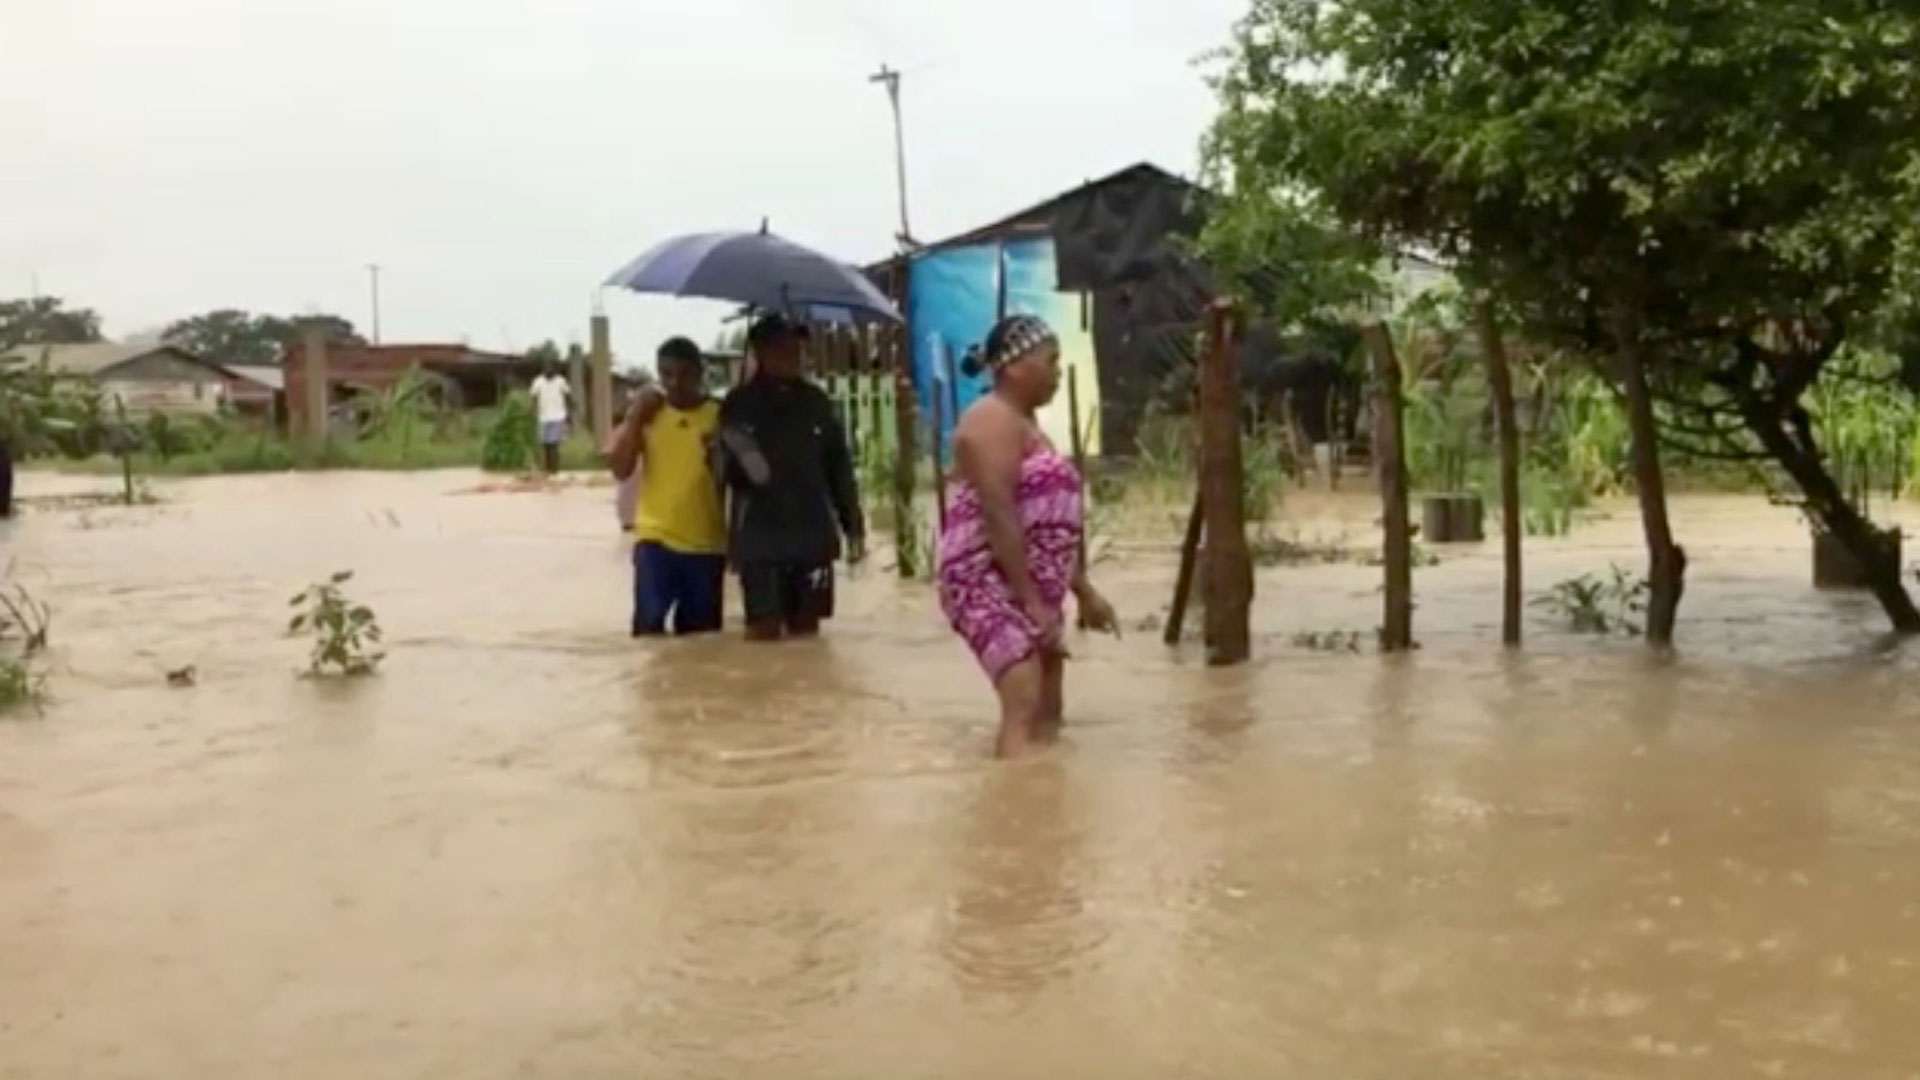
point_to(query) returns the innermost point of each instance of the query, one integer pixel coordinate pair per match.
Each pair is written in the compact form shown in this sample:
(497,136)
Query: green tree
(46,320)
(231,336)
(1704,197)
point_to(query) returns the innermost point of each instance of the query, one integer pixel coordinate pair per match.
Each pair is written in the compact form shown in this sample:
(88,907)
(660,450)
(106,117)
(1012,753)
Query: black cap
(771,327)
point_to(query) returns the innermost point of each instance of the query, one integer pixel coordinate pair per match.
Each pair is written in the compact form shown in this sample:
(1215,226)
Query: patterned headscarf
(1017,336)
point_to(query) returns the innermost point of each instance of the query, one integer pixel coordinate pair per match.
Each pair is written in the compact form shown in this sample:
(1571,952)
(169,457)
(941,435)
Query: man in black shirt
(792,493)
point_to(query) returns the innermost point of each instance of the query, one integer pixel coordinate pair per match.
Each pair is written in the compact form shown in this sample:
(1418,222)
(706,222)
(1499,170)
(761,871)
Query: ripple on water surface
(535,848)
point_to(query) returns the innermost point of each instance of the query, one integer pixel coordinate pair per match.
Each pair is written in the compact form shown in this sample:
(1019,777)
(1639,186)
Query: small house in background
(469,378)
(144,378)
(1109,265)
(1120,332)
(256,391)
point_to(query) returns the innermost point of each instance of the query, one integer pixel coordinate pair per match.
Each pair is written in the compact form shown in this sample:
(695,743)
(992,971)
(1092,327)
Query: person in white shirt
(550,396)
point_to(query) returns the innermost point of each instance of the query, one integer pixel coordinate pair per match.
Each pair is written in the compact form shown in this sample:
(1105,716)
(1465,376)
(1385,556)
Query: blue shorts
(675,585)
(552,432)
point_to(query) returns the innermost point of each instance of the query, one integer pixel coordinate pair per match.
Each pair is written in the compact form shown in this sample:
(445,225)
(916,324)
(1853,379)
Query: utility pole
(890,79)
(373,276)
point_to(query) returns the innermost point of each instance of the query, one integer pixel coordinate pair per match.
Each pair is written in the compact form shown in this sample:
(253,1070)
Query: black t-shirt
(810,497)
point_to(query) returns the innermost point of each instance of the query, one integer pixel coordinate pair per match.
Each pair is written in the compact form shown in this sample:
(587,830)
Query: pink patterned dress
(974,593)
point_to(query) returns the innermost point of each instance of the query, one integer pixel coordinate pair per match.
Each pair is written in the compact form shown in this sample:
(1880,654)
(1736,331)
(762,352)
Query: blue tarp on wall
(953,299)
(951,296)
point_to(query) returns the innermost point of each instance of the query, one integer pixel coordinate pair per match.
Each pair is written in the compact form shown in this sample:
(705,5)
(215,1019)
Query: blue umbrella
(758,269)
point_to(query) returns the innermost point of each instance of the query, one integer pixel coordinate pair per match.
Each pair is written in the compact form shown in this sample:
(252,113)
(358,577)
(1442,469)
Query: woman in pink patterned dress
(1009,553)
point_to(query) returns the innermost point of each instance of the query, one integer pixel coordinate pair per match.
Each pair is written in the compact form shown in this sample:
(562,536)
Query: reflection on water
(535,848)
(1018,917)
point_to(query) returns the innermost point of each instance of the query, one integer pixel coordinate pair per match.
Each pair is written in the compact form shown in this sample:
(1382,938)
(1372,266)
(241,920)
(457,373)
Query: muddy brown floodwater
(533,848)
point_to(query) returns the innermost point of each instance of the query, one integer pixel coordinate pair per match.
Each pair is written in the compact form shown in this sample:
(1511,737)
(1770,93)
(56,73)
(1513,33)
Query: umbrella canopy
(758,269)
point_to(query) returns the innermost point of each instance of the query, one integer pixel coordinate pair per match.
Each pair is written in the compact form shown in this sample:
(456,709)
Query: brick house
(472,379)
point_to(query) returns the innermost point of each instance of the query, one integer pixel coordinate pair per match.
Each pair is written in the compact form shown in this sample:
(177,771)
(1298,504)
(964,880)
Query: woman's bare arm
(988,446)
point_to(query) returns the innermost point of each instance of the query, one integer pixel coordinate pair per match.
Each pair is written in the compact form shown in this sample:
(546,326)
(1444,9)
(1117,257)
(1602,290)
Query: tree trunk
(1390,463)
(1500,383)
(1227,573)
(1667,563)
(1878,559)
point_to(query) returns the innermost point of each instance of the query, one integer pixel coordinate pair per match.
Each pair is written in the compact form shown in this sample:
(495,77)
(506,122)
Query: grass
(248,450)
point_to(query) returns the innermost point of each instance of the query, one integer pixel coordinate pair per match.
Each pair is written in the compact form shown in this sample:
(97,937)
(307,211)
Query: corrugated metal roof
(95,358)
(272,378)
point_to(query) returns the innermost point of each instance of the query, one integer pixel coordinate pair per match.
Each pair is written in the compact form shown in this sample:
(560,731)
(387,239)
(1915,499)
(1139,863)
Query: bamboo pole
(1389,456)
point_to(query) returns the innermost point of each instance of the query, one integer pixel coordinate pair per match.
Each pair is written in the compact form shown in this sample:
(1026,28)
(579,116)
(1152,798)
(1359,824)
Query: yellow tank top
(679,506)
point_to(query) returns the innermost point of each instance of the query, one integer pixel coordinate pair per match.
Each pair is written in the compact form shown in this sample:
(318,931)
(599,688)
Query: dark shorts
(795,595)
(677,586)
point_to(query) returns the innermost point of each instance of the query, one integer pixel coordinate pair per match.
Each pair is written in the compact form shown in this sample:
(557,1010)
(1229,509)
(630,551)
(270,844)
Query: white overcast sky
(499,158)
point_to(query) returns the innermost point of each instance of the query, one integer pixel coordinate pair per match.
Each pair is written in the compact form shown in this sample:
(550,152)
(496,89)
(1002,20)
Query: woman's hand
(1052,628)
(1096,613)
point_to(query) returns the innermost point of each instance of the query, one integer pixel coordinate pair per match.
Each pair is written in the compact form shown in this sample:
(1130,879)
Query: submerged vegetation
(24,621)
(346,636)
(1592,604)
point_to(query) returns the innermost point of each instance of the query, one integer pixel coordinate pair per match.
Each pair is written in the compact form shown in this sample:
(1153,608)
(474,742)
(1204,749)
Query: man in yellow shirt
(679,532)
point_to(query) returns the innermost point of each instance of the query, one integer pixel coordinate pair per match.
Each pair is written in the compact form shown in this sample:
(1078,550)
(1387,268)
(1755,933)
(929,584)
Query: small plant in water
(1348,641)
(346,635)
(23,634)
(1591,604)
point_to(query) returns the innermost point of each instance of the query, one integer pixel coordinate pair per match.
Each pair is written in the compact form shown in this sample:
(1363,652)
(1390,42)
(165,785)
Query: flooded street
(533,848)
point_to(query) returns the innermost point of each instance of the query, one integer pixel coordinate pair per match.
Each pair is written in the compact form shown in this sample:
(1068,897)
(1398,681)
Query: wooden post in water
(1390,462)
(1189,553)
(600,379)
(939,456)
(1079,466)
(1500,384)
(1227,572)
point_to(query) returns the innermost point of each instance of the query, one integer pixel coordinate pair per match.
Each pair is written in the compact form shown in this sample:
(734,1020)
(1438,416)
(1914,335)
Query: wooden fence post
(1227,575)
(1189,552)
(1500,384)
(1079,448)
(906,460)
(1389,455)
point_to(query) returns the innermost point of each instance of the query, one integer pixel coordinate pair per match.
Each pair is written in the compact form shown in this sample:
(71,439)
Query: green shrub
(511,438)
